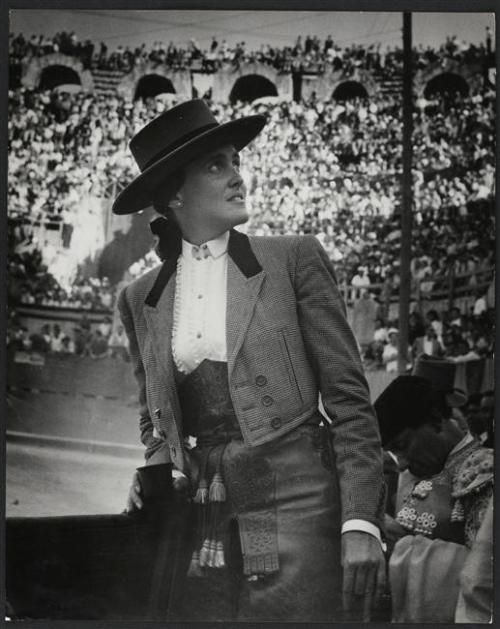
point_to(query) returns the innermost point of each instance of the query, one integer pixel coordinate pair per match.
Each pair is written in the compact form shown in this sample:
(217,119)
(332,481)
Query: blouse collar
(214,248)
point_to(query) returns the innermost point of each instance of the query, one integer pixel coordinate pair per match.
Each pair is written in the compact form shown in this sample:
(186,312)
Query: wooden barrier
(104,567)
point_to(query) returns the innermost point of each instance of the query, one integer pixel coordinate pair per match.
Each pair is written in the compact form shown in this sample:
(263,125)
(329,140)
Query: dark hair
(168,234)
(166,191)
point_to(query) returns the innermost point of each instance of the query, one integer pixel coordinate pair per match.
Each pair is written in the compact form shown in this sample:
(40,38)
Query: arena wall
(472,73)
(96,399)
(225,79)
(181,79)
(32,70)
(324,85)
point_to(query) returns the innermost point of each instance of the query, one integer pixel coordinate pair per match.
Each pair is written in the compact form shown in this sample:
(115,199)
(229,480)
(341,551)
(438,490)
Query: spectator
(105,327)
(390,352)
(56,338)
(118,344)
(363,319)
(98,345)
(429,344)
(67,345)
(480,305)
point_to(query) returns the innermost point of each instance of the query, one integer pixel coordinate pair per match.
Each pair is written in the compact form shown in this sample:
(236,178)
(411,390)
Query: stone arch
(347,90)
(151,85)
(251,86)
(446,83)
(33,70)
(180,80)
(55,75)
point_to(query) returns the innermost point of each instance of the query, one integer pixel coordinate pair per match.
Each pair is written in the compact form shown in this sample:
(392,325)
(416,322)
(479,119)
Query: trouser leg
(304,505)
(307,586)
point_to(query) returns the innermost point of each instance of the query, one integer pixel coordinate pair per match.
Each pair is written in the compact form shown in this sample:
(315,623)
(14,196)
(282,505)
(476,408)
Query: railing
(447,289)
(45,228)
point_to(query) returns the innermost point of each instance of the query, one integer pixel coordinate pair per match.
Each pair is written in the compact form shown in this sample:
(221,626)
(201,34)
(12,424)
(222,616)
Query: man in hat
(232,341)
(437,460)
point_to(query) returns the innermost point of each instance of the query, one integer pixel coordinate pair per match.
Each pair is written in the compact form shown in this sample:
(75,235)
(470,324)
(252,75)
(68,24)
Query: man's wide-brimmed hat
(172,140)
(406,402)
(441,373)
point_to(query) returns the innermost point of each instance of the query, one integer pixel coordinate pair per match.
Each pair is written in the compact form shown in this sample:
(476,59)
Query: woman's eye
(214,167)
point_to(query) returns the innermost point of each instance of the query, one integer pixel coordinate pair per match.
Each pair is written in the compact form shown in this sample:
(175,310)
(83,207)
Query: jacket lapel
(244,280)
(159,321)
(159,312)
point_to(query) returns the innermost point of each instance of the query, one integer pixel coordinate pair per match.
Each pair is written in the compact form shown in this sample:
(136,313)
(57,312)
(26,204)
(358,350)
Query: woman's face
(212,197)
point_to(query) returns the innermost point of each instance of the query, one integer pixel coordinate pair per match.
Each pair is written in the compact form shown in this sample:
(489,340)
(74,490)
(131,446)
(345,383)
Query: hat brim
(138,194)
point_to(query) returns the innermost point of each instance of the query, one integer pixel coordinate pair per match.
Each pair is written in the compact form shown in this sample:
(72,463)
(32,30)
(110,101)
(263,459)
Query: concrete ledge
(79,445)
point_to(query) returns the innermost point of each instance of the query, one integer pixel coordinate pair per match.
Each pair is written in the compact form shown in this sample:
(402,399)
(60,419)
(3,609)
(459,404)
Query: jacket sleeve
(145,424)
(333,354)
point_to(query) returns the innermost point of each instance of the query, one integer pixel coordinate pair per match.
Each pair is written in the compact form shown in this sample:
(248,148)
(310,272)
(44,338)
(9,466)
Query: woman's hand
(363,566)
(135,500)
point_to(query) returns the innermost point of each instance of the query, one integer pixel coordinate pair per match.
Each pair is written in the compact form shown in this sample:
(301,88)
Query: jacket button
(276,422)
(157,412)
(261,381)
(267,400)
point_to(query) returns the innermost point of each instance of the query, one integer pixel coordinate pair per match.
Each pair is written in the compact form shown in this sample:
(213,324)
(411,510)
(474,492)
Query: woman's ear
(177,201)
(175,204)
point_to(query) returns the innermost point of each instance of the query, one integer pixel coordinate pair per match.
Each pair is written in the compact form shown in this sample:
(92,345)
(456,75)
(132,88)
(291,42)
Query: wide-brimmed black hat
(405,403)
(441,373)
(172,140)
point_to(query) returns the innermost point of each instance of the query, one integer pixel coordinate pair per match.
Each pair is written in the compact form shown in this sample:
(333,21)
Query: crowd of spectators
(307,54)
(333,171)
(82,339)
(327,168)
(31,283)
(451,333)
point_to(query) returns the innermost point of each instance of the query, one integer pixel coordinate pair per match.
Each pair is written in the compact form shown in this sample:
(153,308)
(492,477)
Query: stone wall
(32,70)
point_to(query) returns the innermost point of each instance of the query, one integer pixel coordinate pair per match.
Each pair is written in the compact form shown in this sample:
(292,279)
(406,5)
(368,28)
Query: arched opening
(52,76)
(446,84)
(151,85)
(248,88)
(349,90)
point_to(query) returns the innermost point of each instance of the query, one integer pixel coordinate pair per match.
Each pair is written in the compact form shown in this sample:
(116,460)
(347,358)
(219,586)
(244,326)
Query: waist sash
(209,415)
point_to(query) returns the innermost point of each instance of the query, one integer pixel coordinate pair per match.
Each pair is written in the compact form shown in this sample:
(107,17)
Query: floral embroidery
(457,514)
(406,517)
(475,473)
(425,523)
(422,489)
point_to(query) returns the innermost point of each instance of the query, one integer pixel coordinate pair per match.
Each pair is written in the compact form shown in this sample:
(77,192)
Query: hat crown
(439,371)
(405,403)
(170,130)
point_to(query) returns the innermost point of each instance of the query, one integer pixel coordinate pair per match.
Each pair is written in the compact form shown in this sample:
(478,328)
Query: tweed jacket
(288,341)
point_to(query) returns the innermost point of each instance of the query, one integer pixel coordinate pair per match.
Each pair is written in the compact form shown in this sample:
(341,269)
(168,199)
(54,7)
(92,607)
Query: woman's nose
(236,178)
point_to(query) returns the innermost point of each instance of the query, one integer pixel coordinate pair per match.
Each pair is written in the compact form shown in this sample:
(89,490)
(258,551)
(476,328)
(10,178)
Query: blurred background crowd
(330,168)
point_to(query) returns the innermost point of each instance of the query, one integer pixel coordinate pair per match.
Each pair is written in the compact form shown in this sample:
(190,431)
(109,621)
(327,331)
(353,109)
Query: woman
(441,504)
(232,339)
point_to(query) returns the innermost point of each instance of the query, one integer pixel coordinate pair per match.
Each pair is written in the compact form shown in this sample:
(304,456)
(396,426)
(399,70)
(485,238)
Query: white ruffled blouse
(199,329)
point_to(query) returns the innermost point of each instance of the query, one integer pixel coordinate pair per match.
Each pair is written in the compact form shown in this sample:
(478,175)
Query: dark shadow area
(248,88)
